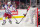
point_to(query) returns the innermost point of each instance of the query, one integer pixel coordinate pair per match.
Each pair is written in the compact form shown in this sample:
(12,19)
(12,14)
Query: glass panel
(38,3)
(1,3)
(24,4)
(33,2)
(17,4)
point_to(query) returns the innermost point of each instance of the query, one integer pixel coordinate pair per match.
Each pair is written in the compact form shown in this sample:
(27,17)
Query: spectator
(1,4)
(22,5)
(26,7)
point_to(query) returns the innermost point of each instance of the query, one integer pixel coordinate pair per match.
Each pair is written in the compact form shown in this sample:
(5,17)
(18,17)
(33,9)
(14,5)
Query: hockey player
(8,9)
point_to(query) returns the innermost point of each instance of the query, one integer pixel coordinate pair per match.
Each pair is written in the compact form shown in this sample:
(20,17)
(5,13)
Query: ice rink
(22,24)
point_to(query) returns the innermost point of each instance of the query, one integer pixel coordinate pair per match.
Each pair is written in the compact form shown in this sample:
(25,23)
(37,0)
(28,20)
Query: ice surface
(22,24)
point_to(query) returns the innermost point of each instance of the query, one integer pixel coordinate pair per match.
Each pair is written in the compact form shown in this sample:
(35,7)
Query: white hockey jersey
(9,9)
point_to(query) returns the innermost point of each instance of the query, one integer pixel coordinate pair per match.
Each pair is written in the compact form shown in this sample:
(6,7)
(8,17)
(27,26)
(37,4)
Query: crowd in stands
(18,4)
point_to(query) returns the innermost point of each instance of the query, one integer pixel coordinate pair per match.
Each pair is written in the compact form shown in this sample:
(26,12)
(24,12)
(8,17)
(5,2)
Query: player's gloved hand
(24,15)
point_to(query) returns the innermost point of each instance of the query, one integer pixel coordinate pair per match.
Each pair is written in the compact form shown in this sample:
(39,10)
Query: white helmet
(9,3)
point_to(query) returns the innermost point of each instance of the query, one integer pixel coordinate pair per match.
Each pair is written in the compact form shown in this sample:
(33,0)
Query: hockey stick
(21,19)
(15,18)
(11,14)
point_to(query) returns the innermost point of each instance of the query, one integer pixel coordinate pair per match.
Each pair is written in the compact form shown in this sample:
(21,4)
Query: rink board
(19,14)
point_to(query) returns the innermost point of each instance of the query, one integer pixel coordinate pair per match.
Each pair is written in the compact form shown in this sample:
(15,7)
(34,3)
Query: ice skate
(10,22)
(4,23)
